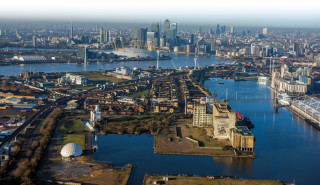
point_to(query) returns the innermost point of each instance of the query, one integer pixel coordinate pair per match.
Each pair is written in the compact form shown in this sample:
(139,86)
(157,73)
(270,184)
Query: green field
(98,77)
(140,94)
(72,131)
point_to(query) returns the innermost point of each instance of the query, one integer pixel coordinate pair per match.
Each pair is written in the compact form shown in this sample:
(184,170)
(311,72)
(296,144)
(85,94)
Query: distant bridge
(250,100)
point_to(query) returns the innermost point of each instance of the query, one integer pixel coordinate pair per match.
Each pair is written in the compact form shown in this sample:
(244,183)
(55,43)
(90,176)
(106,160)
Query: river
(286,147)
(178,60)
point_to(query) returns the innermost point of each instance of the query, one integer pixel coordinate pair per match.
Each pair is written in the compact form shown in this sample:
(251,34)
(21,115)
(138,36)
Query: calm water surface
(286,147)
(178,59)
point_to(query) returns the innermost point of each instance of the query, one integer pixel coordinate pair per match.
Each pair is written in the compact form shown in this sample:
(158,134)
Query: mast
(85,55)
(158,53)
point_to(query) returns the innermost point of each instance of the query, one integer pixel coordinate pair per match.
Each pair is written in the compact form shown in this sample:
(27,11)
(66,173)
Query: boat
(245,122)
(220,83)
(284,99)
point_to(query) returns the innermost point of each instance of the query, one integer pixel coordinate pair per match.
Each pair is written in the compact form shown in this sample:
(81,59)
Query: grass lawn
(182,146)
(74,138)
(98,77)
(140,94)
(200,134)
(77,134)
(71,125)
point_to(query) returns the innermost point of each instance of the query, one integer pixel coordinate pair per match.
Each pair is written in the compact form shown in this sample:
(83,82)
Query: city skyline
(244,13)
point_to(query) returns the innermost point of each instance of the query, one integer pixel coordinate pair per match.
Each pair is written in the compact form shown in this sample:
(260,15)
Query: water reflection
(235,165)
(286,147)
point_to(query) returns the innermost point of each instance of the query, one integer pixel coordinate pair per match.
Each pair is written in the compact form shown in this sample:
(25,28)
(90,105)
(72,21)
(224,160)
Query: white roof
(71,150)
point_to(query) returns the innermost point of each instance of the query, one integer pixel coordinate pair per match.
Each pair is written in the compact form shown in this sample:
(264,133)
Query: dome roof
(71,150)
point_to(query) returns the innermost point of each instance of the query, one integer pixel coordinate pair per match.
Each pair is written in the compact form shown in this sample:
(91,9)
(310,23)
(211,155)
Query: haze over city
(159,92)
(241,13)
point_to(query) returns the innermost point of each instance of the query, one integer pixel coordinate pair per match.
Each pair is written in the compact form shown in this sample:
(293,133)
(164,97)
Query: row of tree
(27,167)
(155,124)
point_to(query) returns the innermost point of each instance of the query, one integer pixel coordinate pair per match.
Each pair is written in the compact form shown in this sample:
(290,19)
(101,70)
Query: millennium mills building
(222,120)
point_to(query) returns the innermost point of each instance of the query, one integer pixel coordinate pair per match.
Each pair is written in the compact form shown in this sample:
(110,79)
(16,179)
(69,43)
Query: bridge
(250,100)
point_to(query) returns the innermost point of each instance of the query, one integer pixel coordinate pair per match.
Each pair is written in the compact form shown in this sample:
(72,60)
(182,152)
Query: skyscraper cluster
(170,32)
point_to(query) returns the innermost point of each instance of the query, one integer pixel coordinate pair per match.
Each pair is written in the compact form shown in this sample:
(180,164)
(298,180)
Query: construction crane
(115,46)
(122,44)
(112,46)
(158,55)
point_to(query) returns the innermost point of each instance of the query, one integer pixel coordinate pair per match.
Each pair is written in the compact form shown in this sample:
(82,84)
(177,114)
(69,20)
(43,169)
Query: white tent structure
(71,150)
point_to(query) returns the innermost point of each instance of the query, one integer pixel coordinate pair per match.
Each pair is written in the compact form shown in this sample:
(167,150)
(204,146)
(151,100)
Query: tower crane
(115,46)
(122,44)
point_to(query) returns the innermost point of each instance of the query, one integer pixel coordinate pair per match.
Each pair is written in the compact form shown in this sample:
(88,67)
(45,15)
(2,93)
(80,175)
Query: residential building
(224,119)
(242,139)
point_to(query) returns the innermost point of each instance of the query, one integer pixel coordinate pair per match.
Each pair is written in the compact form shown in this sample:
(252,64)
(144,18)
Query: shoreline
(305,118)
(197,179)
(81,62)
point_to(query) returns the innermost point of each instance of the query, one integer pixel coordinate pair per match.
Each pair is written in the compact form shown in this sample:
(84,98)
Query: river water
(178,60)
(286,147)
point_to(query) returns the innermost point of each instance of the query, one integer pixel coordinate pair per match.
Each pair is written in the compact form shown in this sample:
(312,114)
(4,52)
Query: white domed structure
(71,150)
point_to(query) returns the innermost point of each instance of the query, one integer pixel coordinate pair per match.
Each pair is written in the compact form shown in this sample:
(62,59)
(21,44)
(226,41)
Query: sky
(277,13)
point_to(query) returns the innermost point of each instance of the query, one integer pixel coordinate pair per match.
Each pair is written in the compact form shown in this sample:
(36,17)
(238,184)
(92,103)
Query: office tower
(83,53)
(296,48)
(171,36)
(218,29)
(192,39)
(139,35)
(85,39)
(101,36)
(174,26)
(151,36)
(133,34)
(162,42)
(210,31)
(106,39)
(0,32)
(155,27)
(200,29)
(223,29)
(71,32)
(232,29)
(109,36)
(34,41)
(213,44)
(265,31)
(142,35)
(166,25)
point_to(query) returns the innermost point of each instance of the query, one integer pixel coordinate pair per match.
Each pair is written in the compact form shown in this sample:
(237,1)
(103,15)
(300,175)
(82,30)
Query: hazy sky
(281,13)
